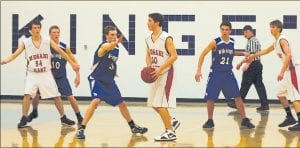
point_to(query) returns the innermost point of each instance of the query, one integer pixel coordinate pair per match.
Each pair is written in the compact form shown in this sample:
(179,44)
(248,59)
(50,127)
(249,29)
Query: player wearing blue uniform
(221,77)
(59,72)
(102,83)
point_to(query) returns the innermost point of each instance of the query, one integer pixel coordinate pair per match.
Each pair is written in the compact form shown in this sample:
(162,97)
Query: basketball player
(289,75)
(59,72)
(39,76)
(161,55)
(221,77)
(102,83)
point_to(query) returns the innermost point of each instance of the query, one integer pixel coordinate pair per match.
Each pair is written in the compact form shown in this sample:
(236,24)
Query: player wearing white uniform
(288,77)
(161,55)
(39,76)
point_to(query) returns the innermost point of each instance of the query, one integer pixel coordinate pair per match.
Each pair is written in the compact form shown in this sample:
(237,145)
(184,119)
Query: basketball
(146,74)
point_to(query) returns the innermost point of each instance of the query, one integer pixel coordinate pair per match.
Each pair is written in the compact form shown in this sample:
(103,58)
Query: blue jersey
(105,67)
(58,62)
(222,56)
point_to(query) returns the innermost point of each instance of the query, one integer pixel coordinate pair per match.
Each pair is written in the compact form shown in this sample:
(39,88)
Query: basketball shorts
(289,86)
(161,91)
(224,81)
(105,92)
(64,86)
(44,82)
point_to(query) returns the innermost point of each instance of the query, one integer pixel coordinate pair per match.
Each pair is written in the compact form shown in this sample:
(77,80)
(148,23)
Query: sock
(131,124)
(78,115)
(34,110)
(298,115)
(82,127)
(288,112)
(63,117)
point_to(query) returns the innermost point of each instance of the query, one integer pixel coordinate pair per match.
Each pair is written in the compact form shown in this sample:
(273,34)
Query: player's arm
(211,46)
(72,57)
(10,58)
(287,52)
(148,57)
(241,53)
(262,52)
(109,46)
(64,55)
(173,57)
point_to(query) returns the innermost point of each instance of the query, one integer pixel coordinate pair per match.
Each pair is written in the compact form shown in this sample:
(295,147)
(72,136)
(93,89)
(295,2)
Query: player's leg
(126,115)
(231,90)
(168,134)
(25,109)
(63,118)
(296,105)
(88,115)
(74,104)
(34,112)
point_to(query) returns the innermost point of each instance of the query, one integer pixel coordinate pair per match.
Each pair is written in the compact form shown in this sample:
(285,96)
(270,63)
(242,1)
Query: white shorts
(289,86)
(44,82)
(161,91)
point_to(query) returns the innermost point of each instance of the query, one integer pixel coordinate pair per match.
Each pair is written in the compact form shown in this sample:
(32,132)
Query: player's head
(110,33)
(248,31)
(54,32)
(276,27)
(225,28)
(155,20)
(35,27)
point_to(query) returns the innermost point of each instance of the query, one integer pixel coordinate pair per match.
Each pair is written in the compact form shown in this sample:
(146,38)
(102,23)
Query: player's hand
(120,39)
(250,58)
(198,76)
(246,54)
(3,62)
(280,76)
(77,81)
(238,66)
(155,74)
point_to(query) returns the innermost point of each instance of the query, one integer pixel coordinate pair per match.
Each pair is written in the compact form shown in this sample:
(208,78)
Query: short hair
(228,24)
(109,28)
(247,27)
(277,23)
(53,27)
(157,17)
(35,22)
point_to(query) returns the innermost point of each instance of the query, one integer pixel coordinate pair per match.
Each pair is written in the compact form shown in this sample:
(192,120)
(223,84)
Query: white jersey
(294,53)
(158,51)
(38,59)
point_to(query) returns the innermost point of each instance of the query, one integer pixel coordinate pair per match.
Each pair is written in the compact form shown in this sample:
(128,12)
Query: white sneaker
(175,123)
(166,136)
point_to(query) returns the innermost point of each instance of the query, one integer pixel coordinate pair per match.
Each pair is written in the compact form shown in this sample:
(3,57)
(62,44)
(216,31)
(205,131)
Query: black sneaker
(231,103)
(263,108)
(295,127)
(80,134)
(32,115)
(138,129)
(65,121)
(246,123)
(175,123)
(22,122)
(208,124)
(288,121)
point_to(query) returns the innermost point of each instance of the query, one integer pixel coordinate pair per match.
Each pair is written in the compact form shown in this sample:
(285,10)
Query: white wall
(208,16)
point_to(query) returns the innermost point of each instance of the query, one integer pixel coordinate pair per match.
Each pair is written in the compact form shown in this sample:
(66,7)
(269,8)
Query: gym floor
(107,128)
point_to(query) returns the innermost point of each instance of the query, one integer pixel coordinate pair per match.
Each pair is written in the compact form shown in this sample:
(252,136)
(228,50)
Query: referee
(253,75)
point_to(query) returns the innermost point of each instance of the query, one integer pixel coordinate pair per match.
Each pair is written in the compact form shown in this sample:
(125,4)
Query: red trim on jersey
(169,82)
(294,78)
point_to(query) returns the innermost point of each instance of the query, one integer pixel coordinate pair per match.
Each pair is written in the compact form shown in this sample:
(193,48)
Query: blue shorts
(64,86)
(221,81)
(106,92)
